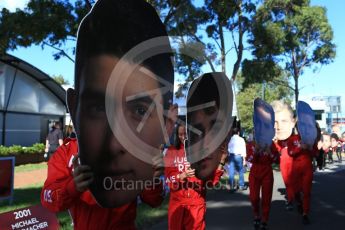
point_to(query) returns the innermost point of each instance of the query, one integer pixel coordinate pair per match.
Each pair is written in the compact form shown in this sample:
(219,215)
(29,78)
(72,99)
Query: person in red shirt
(284,125)
(261,155)
(120,103)
(187,205)
(66,188)
(297,170)
(261,180)
(119,126)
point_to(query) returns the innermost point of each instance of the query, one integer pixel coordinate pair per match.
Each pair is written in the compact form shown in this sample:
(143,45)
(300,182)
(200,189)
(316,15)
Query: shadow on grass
(23,197)
(147,216)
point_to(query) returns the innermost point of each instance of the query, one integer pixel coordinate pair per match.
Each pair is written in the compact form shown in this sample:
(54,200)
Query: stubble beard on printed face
(94,148)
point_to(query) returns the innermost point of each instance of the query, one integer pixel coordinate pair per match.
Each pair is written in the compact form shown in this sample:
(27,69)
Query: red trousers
(186,217)
(261,179)
(303,174)
(286,170)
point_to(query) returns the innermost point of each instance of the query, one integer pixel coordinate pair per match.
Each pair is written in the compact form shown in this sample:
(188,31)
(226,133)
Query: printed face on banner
(284,124)
(306,123)
(117,167)
(263,118)
(209,109)
(205,121)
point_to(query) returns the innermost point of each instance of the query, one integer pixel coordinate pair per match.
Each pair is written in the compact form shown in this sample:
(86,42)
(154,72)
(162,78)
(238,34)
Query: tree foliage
(60,79)
(288,36)
(209,26)
(285,36)
(42,22)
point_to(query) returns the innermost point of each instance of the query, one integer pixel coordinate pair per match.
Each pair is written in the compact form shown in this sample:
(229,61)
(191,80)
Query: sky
(327,81)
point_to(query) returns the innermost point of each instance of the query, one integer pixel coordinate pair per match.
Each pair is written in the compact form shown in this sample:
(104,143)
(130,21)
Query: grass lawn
(147,216)
(30,195)
(30,167)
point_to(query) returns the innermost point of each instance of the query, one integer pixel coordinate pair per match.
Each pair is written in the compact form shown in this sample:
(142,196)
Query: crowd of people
(330,146)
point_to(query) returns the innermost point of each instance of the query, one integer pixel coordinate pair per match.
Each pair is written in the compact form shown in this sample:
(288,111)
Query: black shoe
(288,206)
(257,223)
(305,220)
(263,226)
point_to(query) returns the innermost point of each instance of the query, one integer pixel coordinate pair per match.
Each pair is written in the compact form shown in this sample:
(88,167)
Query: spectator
(53,140)
(336,147)
(343,142)
(237,154)
(326,147)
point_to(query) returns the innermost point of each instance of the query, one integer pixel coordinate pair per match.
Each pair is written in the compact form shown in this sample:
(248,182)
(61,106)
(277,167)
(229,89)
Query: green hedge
(17,149)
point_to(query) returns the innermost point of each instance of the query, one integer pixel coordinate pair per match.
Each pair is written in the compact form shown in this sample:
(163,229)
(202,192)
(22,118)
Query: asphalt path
(233,211)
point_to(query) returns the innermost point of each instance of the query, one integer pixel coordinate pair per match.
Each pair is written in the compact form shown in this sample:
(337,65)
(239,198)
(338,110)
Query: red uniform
(286,167)
(261,178)
(59,193)
(301,175)
(187,205)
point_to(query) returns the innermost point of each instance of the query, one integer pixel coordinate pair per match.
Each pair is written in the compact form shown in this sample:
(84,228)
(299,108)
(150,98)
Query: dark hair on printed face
(206,90)
(113,27)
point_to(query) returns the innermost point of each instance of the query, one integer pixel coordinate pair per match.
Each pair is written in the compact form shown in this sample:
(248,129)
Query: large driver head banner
(306,123)
(263,119)
(209,119)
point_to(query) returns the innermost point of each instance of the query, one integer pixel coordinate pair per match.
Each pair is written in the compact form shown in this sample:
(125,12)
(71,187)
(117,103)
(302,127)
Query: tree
(288,36)
(268,91)
(214,20)
(43,22)
(233,17)
(60,79)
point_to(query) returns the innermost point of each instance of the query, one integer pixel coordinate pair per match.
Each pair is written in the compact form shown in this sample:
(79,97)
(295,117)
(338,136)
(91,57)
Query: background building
(327,111)
(30,102)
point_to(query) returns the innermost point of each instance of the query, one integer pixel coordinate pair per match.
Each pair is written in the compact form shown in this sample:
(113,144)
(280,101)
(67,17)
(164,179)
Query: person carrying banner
(66,188)
(261,157)
(105,36)
(187,204)
(296,158)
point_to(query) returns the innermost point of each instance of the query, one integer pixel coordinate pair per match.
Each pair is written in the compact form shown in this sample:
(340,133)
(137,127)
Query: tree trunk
(240,45)
(296,89)
(222,45)
(296,73)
